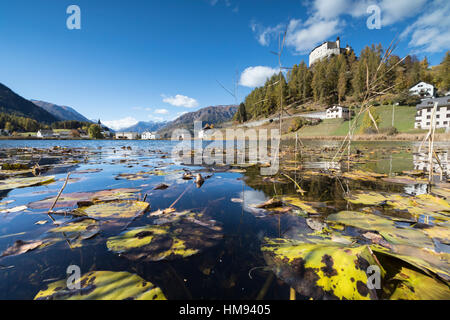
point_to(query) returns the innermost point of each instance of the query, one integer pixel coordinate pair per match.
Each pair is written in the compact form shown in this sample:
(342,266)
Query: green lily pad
(125,209)
(78,229)
(164,242)
(305,206)
(68,200)
(15,183)
(324,270)
(424,259)
(384,226)
(103,285)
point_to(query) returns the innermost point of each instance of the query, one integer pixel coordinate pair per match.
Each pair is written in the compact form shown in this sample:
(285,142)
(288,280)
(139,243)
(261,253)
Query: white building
(107,134)
(44,134)
(423,90)
(150,136)
(425,112)
(326,50)
(127,135)
(338,112)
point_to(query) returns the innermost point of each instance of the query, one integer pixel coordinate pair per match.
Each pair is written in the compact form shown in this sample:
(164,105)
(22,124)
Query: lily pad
(163,242)
(68,200)
(21,247)
(414,285)
(15,183)
(80,229)
(383,226)
(305,206)
(103,285)
(125,209)
(321,270)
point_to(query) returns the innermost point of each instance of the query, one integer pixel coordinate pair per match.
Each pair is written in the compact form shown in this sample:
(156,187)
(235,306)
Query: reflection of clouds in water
(416,190)
(252,197)
(176,178)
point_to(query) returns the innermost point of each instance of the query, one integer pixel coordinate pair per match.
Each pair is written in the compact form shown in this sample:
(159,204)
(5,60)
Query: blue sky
(141,60)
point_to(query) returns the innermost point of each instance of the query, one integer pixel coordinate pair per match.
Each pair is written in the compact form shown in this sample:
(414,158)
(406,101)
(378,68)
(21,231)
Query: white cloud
(431,31)
(256,76)
(305,36)
(326,20)
(161,111)
(392,11)
(181,101)
(121,123)
(398,10)
(265,34)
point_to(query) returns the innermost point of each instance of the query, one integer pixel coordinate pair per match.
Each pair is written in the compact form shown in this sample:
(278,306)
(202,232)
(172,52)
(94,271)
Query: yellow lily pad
(125,209)
(15,183)
(163,242)
(417,286)
(67,200)
(103,285)
(383,226)
(295,201)
(321,270)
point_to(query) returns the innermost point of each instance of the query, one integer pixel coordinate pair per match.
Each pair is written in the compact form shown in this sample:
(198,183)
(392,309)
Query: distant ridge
(12,103)
(143,126)
(209,115)
(63,113)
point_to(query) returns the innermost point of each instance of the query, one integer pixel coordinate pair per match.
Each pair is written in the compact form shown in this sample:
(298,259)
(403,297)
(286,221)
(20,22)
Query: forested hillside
(343,79)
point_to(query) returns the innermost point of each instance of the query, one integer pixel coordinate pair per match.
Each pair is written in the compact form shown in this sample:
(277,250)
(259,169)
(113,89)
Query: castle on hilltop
(327,49)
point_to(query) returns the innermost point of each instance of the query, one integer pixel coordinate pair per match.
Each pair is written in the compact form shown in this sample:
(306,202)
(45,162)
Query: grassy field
(404,122)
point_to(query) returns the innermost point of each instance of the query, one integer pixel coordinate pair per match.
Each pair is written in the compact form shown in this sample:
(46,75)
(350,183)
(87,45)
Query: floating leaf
(424,259)
(163,242)
(383,226)
(72,199)
(20,247)
(81,229)
(14,210)
(15,183)
(125,209)
(103,285)
(305,206)
(406,180)
(322,270)
(417,286)
(363,175)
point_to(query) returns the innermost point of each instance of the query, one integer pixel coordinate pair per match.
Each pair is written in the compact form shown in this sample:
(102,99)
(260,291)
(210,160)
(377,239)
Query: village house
(425,112)
(127,135)
(423,90)
(150,136)
(44,134)
(338,112)
(327,49)
(205,132)
(63,134)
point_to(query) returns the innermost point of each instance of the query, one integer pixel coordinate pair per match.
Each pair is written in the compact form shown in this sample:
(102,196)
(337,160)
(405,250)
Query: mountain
(143,126)
(63,113)
(211,115)
(12,103)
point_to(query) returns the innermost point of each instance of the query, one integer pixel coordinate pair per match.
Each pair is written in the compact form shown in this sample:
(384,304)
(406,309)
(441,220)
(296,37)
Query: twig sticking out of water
(178,199)
(58,196)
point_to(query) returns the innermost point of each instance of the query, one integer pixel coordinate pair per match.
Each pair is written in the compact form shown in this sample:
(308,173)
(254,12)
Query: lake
(228,223)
